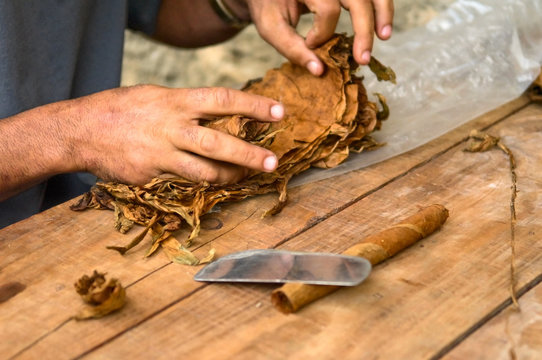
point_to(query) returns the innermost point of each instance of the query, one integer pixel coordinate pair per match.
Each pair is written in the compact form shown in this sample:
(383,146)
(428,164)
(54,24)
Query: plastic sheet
(470,59)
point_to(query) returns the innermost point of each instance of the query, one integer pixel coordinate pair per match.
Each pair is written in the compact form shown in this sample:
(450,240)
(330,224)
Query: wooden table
(445,297)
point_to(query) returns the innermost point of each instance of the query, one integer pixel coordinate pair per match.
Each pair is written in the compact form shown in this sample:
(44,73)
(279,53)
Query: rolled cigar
(375,248)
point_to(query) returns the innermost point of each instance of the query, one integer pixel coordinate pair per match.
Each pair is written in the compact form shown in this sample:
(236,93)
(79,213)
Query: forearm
(194,23)
(34,145)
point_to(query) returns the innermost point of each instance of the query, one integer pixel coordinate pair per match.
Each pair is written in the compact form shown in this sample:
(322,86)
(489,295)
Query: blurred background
(240,59)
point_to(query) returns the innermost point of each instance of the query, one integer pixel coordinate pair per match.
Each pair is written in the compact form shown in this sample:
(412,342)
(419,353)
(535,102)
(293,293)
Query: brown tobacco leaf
(102,296)
(325,118)
(479,142)
(382,72)
(180,255)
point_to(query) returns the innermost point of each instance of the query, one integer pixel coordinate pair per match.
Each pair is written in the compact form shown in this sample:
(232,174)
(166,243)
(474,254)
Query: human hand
(276,22)
(137,133)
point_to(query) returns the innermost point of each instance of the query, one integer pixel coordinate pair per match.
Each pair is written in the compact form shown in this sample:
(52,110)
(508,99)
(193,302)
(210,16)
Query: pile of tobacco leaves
(325,118)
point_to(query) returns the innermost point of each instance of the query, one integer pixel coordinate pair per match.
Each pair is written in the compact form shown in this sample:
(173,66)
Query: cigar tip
(281,301)
(443,209)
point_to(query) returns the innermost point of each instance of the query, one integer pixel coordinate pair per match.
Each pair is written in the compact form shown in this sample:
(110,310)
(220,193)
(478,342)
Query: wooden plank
(48,252)
(410,307)
(511,332)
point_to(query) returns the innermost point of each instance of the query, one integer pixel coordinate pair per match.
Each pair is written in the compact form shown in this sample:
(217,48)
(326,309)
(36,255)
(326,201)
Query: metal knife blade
(280,266)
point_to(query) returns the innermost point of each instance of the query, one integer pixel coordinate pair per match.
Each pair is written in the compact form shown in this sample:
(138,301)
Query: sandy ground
(240,59)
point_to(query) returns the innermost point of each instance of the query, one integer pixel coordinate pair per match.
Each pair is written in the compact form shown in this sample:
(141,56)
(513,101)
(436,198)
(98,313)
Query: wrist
(64,139)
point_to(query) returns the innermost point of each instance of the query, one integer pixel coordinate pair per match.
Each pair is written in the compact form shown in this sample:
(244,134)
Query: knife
(281,266)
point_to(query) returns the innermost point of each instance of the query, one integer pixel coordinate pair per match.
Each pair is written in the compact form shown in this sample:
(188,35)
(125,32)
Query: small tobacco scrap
(326,118)
(382,72)
(101,296)
(480,142)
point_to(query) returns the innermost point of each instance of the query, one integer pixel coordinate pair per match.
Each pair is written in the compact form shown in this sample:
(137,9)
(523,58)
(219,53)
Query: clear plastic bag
(473,57)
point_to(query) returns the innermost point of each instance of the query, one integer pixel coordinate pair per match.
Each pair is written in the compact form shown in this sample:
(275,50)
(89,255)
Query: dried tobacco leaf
(102,296)
(326,117)
(479,142)
(180,255)
(382,72)
(135,241)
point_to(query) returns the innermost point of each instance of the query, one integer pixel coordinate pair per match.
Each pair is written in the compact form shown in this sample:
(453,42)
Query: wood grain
(514,331)
(49,251)
(413,305)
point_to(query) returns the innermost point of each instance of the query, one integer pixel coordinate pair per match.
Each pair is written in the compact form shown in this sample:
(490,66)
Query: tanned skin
(136,133)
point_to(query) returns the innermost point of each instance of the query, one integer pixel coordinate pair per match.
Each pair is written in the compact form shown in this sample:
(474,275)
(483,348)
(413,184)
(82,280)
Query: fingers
(219,146)
(195,168)
(361,13)
(158,131)
(290,44)
(367,16)
(215,145)
(275,26)
(205,102)
(275,21)
(383,18)
(326,16)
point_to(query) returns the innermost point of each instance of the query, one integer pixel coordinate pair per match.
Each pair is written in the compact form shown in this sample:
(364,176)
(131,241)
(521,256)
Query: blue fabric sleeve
(142,15)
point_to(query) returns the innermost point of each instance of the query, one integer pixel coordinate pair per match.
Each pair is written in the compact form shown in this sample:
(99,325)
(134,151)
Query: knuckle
(194,169)
(138,170)
(184,168)
(297,53)
(264,31)
(247,156)
(223,97)
(330,9)
(232,175)
(259,106)
(190,136)
(208,142)
(210,174)
(267,27)
(197,96)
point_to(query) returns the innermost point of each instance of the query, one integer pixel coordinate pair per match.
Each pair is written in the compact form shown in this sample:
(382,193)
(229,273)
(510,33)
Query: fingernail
(366,57)
(386,31)
(313,67)
(270,163)
(277,111)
